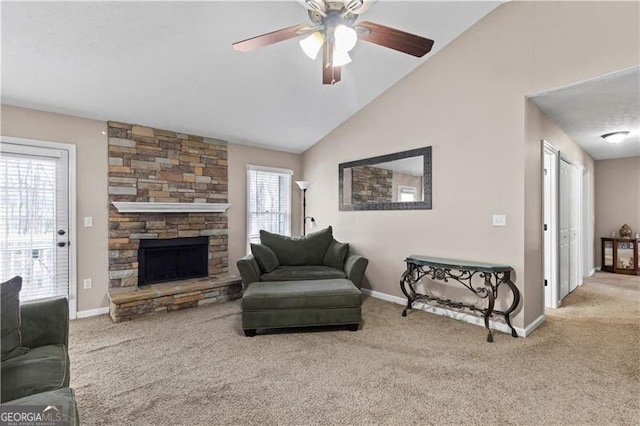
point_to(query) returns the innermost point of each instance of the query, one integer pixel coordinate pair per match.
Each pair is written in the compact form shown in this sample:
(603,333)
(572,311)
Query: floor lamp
(304,185)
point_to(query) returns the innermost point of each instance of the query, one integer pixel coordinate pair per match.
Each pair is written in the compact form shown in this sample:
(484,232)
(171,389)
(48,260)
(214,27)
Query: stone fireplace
(166,187)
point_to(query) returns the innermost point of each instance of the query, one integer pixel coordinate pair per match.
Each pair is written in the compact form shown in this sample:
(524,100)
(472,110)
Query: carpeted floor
(195,367)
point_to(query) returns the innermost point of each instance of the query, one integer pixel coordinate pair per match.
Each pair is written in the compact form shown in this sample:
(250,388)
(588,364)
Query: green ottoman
(281,304)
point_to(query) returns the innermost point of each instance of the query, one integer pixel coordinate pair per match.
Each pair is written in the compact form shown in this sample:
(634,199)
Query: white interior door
(550,190)
(570,245)
(575,271)
(565,227)
(34,220)
(587,225)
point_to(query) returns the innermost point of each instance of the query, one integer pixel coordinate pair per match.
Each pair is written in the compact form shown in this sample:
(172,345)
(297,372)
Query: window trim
(275,170)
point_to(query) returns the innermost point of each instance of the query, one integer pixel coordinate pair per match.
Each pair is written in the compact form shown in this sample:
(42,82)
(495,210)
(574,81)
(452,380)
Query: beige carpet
(196,367)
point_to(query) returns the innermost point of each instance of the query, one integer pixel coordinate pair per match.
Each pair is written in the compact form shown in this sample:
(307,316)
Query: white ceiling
(587,110)
(171,65)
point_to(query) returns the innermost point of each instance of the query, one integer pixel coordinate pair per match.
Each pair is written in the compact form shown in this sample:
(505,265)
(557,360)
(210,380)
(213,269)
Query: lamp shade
(312,43)
(345,38)
(340,58)
(303,184)
(615,137)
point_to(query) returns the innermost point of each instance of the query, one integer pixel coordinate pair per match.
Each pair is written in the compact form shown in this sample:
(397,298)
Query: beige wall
(239,157)
(91,149)
(617,198)
(468,102)
(91,187)
(538,127)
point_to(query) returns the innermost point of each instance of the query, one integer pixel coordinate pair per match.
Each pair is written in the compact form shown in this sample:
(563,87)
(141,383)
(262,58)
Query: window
(407,193)
(268,202)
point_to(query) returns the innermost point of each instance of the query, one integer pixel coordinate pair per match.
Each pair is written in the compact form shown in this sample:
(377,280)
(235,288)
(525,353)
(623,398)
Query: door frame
(551,290)
(71,149)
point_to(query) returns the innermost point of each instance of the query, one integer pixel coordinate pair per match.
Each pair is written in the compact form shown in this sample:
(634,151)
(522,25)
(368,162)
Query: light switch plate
(87,283)
(88,221)
(499,220)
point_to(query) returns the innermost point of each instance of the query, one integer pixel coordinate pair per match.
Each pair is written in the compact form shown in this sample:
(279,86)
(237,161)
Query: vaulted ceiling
(171,65)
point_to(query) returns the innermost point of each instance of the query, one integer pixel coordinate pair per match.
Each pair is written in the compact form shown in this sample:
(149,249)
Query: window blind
(31,193)
(268,202)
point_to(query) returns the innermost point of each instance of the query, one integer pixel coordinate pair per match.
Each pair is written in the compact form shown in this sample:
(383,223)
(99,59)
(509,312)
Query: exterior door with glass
(34,220)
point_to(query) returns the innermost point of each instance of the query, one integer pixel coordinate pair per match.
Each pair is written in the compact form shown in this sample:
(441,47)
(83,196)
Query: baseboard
(598,268)
(92,312)
(532,326)
(462,316)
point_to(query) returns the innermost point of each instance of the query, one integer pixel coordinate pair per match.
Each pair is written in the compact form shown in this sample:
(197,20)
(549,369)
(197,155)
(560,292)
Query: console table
(489,278)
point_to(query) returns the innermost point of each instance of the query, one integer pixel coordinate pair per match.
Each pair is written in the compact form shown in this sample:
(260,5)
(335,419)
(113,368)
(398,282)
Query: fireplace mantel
(153,207)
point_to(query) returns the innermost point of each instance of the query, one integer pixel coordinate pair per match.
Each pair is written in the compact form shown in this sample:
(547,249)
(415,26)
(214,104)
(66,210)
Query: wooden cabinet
(620,255)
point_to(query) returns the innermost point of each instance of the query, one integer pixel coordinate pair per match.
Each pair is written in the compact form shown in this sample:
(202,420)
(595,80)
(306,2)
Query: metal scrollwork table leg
(489,290)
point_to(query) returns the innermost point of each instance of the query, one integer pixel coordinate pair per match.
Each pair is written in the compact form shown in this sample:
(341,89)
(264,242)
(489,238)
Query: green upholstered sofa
(35,361)
(294,282)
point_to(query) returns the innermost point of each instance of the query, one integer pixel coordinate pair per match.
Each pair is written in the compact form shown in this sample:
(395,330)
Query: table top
(442,262)
(630,240)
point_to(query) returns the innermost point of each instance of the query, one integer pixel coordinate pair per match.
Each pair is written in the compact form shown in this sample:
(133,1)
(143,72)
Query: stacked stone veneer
(371,185)
(150,165)
(167,297)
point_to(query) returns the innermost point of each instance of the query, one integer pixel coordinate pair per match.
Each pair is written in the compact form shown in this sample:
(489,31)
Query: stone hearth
(126,304)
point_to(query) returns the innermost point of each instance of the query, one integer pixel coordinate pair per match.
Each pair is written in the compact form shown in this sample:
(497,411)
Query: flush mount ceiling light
(615,137)
(334,31)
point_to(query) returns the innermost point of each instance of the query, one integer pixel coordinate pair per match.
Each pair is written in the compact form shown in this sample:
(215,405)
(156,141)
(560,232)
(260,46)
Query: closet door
(574,224)
(566,171)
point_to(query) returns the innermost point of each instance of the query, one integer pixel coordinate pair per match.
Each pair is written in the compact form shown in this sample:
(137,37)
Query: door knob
(61,232)
(62,244)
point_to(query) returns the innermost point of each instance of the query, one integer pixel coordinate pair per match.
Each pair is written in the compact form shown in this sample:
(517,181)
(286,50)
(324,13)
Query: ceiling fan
(334,31)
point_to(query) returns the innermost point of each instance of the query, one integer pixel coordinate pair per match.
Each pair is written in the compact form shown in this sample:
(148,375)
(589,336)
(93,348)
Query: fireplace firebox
(172,259)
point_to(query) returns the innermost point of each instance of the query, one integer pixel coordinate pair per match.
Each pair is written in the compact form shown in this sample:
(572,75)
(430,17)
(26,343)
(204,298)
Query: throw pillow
(336,255)
(10,316)
(265,256)
(308,250)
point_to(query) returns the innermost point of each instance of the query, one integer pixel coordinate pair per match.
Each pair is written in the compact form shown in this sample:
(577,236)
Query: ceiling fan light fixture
(345,37)
(311,44)
(615,137)
(340,58)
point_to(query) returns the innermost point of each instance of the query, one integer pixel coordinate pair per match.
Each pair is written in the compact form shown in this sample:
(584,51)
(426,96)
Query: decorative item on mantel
(625,231)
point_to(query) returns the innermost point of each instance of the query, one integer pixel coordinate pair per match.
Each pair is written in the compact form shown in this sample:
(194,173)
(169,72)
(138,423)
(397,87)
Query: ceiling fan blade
(327,69)
(269,38)
(394,39)
(337,74)
(330,74)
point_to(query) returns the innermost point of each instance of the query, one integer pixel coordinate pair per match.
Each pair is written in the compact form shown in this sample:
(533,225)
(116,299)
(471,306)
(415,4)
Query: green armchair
(35,361)
(296,282)
(285,259)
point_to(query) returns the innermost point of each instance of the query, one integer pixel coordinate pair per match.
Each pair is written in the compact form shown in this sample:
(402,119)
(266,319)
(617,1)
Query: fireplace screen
(172,259)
